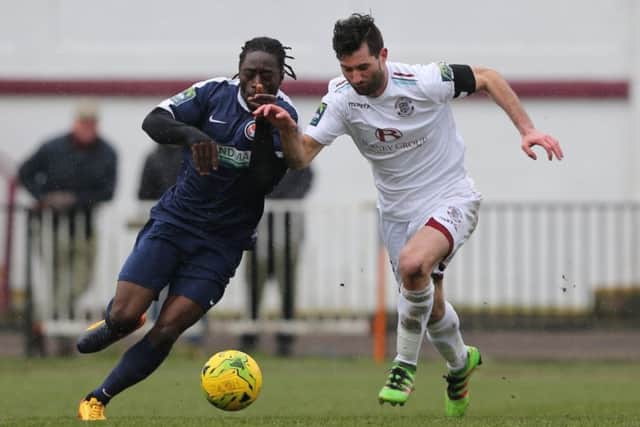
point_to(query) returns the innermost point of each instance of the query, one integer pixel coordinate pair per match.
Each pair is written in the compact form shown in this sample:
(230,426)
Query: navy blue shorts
(193,267)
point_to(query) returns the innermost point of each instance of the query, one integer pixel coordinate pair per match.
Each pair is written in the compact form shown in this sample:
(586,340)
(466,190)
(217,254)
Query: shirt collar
(241,100)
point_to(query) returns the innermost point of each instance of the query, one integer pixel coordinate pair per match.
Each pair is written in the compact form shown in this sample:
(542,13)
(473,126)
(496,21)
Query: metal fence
(523,258)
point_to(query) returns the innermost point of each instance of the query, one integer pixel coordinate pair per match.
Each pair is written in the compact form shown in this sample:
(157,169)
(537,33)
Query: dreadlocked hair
(271,46)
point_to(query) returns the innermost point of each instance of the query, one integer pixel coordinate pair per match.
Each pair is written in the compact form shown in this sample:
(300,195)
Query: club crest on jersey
(388,134)
(404,107)
(250,130)
(454,216)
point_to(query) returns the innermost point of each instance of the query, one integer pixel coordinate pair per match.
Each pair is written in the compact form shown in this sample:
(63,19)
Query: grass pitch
(326,392)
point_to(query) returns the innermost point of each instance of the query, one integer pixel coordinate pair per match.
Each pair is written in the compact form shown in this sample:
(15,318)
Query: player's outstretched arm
(164,129)
(496,86)
(298,149)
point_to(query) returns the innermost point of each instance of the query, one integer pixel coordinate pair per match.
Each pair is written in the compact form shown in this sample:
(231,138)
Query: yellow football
(231,380)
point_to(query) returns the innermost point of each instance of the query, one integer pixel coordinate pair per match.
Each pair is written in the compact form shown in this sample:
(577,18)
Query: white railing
(523,257)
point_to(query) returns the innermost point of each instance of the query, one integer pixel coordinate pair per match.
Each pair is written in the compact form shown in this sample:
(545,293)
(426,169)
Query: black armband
(163,128)
(463,79)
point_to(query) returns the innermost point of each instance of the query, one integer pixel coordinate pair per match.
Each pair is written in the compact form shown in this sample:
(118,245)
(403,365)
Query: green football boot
(457,394)
(399,384)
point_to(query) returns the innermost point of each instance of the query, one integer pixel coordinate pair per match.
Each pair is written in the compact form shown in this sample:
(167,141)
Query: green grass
(326,392)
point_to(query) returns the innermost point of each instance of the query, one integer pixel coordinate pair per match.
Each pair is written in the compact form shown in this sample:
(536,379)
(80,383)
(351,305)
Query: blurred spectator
(269,256)
(68,176)
(160,171)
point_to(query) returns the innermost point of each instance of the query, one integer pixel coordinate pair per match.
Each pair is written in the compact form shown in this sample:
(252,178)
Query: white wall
(527,38)
(540,39)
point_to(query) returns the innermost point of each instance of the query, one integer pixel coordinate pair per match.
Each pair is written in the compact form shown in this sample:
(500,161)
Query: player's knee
(413,265)
(123,319)
(409,264)
(163,335)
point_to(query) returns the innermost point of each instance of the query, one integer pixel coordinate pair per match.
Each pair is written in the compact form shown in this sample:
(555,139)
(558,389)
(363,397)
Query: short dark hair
(350,33)
(271,46)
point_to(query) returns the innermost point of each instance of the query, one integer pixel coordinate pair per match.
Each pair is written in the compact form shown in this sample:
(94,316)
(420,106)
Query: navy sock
(135,365)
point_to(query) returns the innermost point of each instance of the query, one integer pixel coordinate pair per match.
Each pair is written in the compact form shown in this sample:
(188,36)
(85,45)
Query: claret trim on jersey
(409,76)
(341,85)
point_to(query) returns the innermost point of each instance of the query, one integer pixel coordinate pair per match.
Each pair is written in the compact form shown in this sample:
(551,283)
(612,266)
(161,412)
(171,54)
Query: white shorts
(455,218)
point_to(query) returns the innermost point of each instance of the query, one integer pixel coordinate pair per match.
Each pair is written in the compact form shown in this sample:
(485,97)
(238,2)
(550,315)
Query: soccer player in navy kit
(198,230)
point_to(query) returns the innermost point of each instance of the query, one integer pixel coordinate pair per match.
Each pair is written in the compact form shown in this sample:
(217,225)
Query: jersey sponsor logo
(318,115)
(184,96)
(391,147)
(250,130)
(404,107)
(233,157)
(221,122)
(388,134)
(445,72)
(359,105)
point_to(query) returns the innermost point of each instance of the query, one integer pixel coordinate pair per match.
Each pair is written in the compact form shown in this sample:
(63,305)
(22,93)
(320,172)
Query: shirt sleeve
(436,81)
(189,105)
(277,145)
(328,122)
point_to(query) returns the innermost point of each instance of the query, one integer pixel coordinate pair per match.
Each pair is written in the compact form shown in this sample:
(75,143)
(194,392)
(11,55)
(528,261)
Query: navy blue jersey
(221,202)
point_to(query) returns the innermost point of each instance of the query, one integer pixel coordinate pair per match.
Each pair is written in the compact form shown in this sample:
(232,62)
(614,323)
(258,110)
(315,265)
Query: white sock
(446,338)
(414,309)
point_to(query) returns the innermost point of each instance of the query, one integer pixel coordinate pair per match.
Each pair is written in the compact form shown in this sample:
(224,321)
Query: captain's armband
(463,80)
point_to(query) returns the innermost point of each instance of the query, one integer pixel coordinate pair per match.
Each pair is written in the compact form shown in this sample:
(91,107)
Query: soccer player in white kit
(399,117)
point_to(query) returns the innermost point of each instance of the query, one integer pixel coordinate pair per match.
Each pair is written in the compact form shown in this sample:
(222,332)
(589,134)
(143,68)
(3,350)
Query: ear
(384,52)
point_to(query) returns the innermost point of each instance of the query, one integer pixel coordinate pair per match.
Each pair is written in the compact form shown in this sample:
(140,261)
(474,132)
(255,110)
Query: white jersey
(408,134)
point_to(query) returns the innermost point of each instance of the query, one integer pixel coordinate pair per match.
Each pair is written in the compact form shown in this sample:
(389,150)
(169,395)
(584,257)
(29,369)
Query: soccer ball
(231,380)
